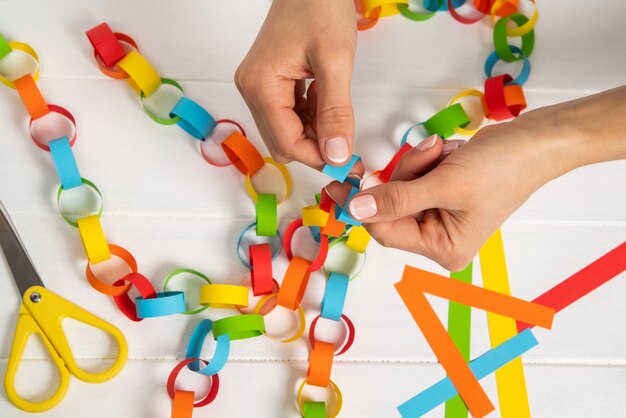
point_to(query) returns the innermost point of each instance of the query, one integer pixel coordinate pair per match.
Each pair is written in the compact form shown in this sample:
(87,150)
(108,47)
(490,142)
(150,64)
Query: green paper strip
(158,119)
(5,48)
(239,327)
(266,215)
(501,42)
(459,325)
(417,16)
(444,122)
(318,198)
(314,409)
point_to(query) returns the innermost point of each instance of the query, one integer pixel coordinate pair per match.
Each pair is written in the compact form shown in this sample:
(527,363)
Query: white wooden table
(170,209)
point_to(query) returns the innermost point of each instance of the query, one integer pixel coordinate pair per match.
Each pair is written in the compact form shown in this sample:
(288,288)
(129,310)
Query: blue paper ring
(194,120)
(166,303)
(521,78)
(335,296)
(341,173)
(65,163)
(274,248)
(194,348)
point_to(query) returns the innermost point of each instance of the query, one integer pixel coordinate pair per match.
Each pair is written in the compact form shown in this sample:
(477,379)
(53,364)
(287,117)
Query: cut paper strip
(481,367)
(514,98)
(344,213)
(334,296)
(320,364)
(335,390)
(463,19)
(501,42)
(436,5)
(515,31)
(333,227)
(185,272)
(521,78)
(194,348)
(71,215)
(583,281)
(344,260)
(504,7)
(92,235)
(314,216)
(419,16)
(345,346)
(243,244)
(5,48)
(301,319)
(211,148)
(243,154)
(114,71)
(183,404)
(294,283)
(266,215)
(125,303)
(443,122)
(166,303)
(31,96)
(386,172)
(314,409)
(106,288)
(171,383)
(65,163)
(358,239)
(322,251)
(239,327)
(386,7)
(171,120)
(282,169)
(261,274)
(106,45)
(194,120)
(340,173)
(142,77)
(412,288)
(468,93)
(34,71)
(495,99)
(459,328)
(42,143)
(223,295)
(510,379)
(325,201)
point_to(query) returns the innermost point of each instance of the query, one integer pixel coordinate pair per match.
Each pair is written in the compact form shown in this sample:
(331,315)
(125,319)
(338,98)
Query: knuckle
(335,115)
(397,199)
(281,152)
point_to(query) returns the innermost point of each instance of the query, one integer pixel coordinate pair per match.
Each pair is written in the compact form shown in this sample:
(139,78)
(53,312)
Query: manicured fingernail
(355,176)
(363,206)
(449,147)
(427,143)
(337,149)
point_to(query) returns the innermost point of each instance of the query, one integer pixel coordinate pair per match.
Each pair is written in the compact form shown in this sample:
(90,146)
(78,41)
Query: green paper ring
(333,243)
(239,327)
(68,219)
(416,16)
(195,273)
(501,43)
(154,117)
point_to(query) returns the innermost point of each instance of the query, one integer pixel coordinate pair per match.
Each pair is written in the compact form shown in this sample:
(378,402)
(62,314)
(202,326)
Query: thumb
(395,200)
(334,118)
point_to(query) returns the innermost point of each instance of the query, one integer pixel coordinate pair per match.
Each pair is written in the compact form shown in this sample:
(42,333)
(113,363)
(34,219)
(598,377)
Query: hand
(301,40)
(445,209)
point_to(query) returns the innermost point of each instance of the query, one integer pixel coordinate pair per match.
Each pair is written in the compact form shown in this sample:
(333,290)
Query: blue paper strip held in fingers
(482,366)
(166,303)
(335,296)
(65,163)
(194,120)
(194,348)
(341,173)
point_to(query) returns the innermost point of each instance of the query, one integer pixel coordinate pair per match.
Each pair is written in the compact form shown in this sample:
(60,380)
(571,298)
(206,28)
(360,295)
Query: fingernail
(449,147)
(363,206)
(355,176)
(337,149)
(427,143)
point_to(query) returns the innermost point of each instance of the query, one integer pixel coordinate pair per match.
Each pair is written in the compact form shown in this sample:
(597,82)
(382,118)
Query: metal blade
(24,272)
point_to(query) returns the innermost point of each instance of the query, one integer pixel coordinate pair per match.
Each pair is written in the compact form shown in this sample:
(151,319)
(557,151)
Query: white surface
(170,209)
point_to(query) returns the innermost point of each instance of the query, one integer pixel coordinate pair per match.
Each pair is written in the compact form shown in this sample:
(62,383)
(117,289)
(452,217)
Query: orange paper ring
(243,154)
(320,364)
(31,96)
(294,283)
(514,98)
(115,72)
(106,288)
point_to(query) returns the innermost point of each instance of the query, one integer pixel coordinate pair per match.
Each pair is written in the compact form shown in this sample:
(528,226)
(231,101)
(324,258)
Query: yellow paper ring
(520,30)
(336,392)
(223,295)
(301,318)
(467,93)
(254,195)
(387,7)
(30,51)
(142,77)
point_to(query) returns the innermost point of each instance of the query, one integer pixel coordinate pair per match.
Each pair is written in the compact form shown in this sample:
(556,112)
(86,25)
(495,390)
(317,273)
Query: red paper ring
(113,72)
(56,109)
(322,252)
(463,19)
(349,339)
(125,303)
(206,158)
(105,288)
(215,382)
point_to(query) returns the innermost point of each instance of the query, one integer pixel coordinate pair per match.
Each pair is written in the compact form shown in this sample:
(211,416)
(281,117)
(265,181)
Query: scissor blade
(24,272)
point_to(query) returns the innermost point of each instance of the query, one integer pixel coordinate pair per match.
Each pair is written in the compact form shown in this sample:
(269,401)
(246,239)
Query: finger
(334,116)
(419,159)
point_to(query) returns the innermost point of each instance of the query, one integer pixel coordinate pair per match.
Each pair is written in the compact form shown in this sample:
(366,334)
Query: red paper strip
(385,175)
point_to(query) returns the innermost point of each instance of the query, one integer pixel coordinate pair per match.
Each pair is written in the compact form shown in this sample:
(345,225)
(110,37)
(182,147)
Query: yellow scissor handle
(49,310)
(26,326)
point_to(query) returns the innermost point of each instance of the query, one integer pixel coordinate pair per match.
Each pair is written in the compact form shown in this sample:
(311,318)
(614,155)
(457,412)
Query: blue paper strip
(194,120)
(194,348)
(334,296)
(344,213)
(482,366)
(341,173)
(521,78)
(166,303)
(65,163)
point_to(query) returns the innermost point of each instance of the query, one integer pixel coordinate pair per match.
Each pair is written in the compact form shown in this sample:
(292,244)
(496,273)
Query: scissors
(42,313)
